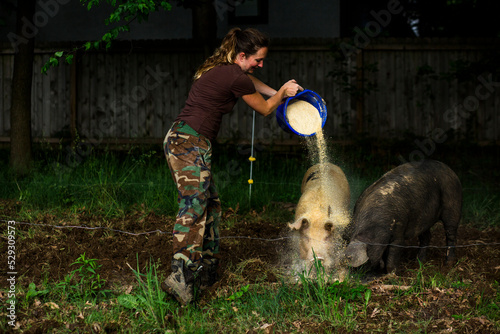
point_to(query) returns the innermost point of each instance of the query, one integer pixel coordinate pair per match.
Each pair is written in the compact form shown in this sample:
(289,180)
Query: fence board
(132,96)
(336,103)
(48,103)
(399,119)
(98,97)
(36,98)
(176,95)
(62,95)
(5,93)
(83,102)
(496,120)
(181,79)
(119,96)
(167,89)
(107,78)
(6,86)
(150,115)
(154,86)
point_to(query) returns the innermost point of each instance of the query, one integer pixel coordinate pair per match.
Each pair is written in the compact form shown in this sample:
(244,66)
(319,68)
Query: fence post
(73,98)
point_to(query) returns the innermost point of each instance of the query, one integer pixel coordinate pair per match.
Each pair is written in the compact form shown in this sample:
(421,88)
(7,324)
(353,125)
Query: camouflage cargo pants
(196,231)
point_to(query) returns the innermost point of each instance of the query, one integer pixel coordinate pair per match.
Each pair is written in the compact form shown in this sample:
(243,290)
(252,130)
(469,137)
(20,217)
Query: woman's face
(249,63)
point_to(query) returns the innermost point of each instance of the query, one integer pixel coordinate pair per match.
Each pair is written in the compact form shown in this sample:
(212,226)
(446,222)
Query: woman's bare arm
(265,107)
(262,87)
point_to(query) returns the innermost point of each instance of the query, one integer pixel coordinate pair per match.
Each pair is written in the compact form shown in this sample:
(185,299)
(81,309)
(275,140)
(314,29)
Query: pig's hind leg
(450,216)
(424,241)
(451,219)
(394,255)
(451,241)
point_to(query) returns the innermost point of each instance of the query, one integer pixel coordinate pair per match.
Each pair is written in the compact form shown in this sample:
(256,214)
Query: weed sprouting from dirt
(85,281)
(148,298)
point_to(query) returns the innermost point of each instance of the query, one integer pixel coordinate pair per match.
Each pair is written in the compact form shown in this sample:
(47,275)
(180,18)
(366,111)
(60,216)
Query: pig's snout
(303,223)
(300,224)
(356,253)
(316,238)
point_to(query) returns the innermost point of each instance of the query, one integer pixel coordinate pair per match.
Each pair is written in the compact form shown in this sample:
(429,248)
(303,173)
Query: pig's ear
(299,224)
(356,253)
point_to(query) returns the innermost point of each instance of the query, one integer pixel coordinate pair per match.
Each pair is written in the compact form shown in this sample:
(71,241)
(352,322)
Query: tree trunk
(20,112)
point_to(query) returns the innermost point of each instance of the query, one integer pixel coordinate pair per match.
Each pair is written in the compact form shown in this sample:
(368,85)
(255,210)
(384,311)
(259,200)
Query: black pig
(404,203)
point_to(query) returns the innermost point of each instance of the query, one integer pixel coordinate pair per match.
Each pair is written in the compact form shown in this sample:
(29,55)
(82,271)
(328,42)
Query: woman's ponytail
(248,41)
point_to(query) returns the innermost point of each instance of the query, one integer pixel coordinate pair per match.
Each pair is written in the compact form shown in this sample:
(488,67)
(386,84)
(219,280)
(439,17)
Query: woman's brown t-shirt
(211,96)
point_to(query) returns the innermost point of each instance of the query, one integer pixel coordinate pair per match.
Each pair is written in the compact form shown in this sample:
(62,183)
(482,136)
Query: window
(247,11)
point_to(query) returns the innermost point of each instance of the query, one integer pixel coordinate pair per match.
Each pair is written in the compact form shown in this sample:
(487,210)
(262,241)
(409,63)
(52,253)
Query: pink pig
(322,214)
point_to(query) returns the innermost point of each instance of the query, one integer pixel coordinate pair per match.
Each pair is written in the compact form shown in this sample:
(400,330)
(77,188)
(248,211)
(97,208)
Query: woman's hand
(291,88)
(266,107)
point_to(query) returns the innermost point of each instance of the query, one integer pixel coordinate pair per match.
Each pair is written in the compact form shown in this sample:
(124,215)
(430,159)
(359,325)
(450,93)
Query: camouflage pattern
(196,231)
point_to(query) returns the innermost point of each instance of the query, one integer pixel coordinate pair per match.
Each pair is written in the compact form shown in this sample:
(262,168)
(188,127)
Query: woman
(218,83)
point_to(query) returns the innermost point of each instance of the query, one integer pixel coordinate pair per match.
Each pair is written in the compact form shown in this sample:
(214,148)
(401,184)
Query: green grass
(111,184)
(146,308)
(481,207)
(309,306)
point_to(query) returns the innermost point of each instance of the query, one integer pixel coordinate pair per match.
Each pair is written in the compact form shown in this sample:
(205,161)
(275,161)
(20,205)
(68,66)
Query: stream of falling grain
(318,154)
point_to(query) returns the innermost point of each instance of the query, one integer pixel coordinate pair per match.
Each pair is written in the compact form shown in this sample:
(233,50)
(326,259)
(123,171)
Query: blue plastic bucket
(308,96)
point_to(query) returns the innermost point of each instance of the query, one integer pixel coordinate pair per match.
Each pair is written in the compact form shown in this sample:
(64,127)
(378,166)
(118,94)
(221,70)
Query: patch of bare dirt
(48,252)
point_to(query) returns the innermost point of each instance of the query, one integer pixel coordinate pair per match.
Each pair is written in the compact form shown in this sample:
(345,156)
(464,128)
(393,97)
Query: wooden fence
(387,89)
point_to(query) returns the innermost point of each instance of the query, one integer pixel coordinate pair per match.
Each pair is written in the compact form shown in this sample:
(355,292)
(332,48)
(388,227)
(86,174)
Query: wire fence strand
(478,244)
(162,184)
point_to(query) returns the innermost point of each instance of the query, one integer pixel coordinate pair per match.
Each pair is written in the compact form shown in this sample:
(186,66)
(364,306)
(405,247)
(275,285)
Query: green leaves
(90,283)
(149,299)
(54,61)
(124,13)
(165,5)
(240,293)
(69,59)
(132,302)
(33,292)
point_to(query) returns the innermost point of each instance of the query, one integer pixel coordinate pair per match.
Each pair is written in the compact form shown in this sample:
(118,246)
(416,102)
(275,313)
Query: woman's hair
(248,41)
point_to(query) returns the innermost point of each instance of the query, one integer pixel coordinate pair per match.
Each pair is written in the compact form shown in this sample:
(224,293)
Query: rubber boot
(208,274)
(182,283)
